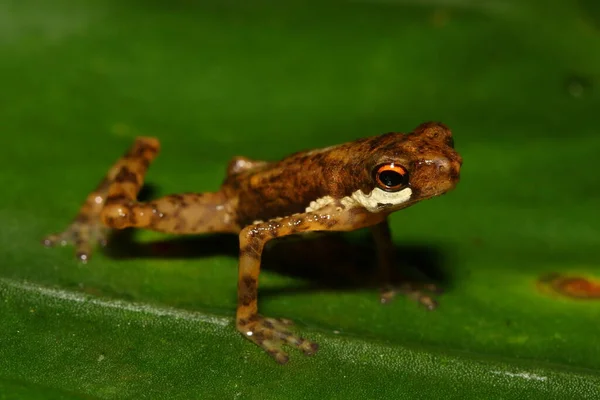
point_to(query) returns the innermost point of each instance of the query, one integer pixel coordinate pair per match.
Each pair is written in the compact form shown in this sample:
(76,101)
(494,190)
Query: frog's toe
(283,321)
(83,251)
(433,288)
(272,334)
(427,301)
(421,293)
(58,239)
(306,346)
(53,240)
(309,348)
(275,351)
(81,236)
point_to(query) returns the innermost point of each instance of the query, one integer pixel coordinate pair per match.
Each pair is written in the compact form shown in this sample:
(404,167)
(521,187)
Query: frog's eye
(390,177)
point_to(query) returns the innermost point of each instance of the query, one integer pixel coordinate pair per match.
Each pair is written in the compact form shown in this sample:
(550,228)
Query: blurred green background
(517,81)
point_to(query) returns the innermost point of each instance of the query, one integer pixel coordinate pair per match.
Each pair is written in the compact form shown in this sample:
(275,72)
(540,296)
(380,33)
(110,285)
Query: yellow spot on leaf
(572,286)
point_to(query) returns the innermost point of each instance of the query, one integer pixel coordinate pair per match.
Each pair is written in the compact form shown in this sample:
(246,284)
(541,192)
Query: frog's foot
(271,334)
(82,235)
(422,293)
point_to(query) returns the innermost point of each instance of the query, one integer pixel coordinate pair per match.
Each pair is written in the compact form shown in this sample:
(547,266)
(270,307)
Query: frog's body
(339,188)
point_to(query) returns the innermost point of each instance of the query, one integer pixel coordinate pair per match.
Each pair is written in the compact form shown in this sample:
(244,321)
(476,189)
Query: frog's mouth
(420,194)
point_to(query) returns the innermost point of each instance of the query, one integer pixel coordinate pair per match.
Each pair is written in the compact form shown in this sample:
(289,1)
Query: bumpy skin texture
(272,190)
(331,189)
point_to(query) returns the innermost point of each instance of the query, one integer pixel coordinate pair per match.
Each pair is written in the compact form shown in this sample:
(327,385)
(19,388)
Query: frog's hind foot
(271,334)
(87,228)
(422,293)
(82,235)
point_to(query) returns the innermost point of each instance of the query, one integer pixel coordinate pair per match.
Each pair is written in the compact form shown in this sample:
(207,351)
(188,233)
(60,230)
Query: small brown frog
(339,188)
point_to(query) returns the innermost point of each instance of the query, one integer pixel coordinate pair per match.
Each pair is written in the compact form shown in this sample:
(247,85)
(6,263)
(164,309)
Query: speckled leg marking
(268,333)
(86,228)
(113,205)
(419,292)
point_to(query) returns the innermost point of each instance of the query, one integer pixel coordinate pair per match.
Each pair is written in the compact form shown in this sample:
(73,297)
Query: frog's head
(403,169)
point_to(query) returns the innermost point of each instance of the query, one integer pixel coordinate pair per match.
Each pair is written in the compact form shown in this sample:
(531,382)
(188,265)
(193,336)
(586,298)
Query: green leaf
(152,317)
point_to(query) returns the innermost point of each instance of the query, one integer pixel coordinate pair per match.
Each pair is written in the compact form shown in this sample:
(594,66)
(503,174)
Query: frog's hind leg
(417,291)
(86,228)
(113,205)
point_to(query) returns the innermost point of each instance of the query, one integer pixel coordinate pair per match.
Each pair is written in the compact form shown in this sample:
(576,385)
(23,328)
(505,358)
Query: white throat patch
(375,201)
(379,199)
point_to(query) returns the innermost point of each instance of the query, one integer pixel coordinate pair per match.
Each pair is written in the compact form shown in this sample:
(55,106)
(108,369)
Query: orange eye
(390,177)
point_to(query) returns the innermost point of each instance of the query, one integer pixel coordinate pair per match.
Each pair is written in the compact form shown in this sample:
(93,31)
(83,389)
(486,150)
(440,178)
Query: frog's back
(267,190)
(276,189)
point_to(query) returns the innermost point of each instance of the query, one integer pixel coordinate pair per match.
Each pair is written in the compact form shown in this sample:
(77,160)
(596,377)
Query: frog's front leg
(270,334)
(420,292)
(114,205)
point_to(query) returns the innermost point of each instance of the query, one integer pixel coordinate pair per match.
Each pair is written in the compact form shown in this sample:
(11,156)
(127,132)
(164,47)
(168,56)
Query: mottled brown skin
(261,201)
(272,190)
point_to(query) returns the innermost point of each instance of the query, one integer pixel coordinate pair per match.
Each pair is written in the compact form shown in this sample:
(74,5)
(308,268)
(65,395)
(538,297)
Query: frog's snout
(449,167)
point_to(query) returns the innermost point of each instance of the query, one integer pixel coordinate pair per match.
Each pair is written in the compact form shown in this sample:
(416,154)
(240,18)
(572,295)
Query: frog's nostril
(443,165)
(448,167)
